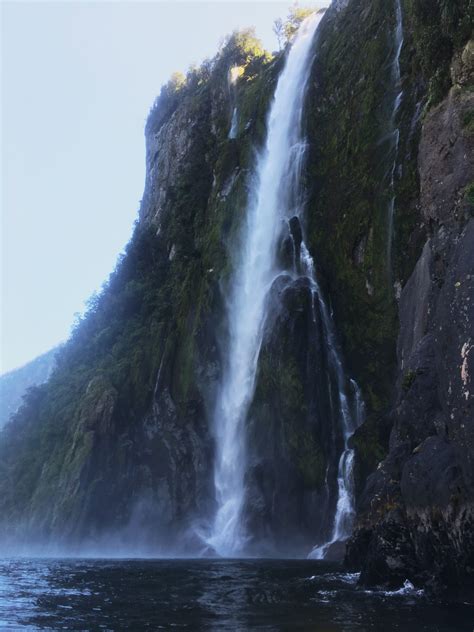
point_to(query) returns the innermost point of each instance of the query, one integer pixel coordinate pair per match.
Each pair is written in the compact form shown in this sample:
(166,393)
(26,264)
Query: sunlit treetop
(238,53)
(285,29)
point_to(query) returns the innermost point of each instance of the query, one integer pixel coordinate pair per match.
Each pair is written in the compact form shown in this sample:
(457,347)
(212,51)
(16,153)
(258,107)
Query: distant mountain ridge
(15,383)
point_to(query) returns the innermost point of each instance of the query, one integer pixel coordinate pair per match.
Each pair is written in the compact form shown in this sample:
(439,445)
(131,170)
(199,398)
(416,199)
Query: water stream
(254,271)
(234,124)
(394,129)
(277,196)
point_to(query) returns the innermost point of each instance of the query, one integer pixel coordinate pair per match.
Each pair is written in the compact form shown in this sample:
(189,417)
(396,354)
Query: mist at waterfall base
(234,595)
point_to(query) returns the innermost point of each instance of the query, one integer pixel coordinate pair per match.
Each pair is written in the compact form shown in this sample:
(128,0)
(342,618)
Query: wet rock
(462,68)
(291,482)
(296,235)
(416,512)
(446,158)
(335,552)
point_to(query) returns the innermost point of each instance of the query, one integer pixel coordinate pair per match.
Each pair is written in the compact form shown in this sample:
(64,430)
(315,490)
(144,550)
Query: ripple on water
(209,595)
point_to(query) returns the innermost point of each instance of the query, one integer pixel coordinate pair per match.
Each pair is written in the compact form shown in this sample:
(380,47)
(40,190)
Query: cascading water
(233,124)
(350,414)
(394,130)
(255,269)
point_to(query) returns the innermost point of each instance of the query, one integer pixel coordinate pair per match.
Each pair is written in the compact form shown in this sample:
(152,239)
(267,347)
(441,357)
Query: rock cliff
(117,448)
(416,512)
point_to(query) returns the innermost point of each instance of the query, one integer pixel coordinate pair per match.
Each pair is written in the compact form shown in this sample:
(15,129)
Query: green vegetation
(241,48)
(76,434)
(370,445)
(469,193)
(166,102)
(348,190)
(14,384)
(296,15)
(285,29)
(159,313)
(408,380)
(289,405)
(439,28)
(468,122)
(104,373)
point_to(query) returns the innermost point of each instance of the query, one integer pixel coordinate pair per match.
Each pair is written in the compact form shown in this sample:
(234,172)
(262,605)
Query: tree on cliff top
(285,29)
(239,48)
(296,15)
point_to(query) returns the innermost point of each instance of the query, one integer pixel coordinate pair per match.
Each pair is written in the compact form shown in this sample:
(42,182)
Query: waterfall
(394,130)
(350,414)
(270,202)
(234,124)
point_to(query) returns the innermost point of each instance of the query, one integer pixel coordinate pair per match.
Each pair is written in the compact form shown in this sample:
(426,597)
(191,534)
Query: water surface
(237,595)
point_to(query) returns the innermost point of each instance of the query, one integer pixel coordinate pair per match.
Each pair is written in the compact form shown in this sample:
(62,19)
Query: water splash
(271,200)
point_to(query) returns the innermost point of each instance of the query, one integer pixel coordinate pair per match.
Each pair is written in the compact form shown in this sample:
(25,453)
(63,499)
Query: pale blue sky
(78,79)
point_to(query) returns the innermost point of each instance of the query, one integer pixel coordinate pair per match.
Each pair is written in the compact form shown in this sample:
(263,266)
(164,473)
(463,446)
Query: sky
(77,82)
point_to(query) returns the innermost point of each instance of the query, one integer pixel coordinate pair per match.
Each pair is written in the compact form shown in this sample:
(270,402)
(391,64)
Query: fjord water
(254,272)
(231,595)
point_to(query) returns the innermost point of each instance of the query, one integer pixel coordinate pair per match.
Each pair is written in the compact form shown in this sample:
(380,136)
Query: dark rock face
(416,512)
(292,427)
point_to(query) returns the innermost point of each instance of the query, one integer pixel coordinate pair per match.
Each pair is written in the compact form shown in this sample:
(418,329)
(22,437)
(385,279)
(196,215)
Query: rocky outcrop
(416,512)
(293,427)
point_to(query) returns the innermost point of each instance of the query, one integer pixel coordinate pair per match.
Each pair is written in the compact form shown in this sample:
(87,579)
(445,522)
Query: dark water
(58,594)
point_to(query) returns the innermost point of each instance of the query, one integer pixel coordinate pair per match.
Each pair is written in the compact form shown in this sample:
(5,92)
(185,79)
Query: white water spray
(255,268)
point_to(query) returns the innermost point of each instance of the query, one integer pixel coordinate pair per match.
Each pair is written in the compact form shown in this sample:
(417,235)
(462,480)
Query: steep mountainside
(118,441)
(118,447)
(416,513)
